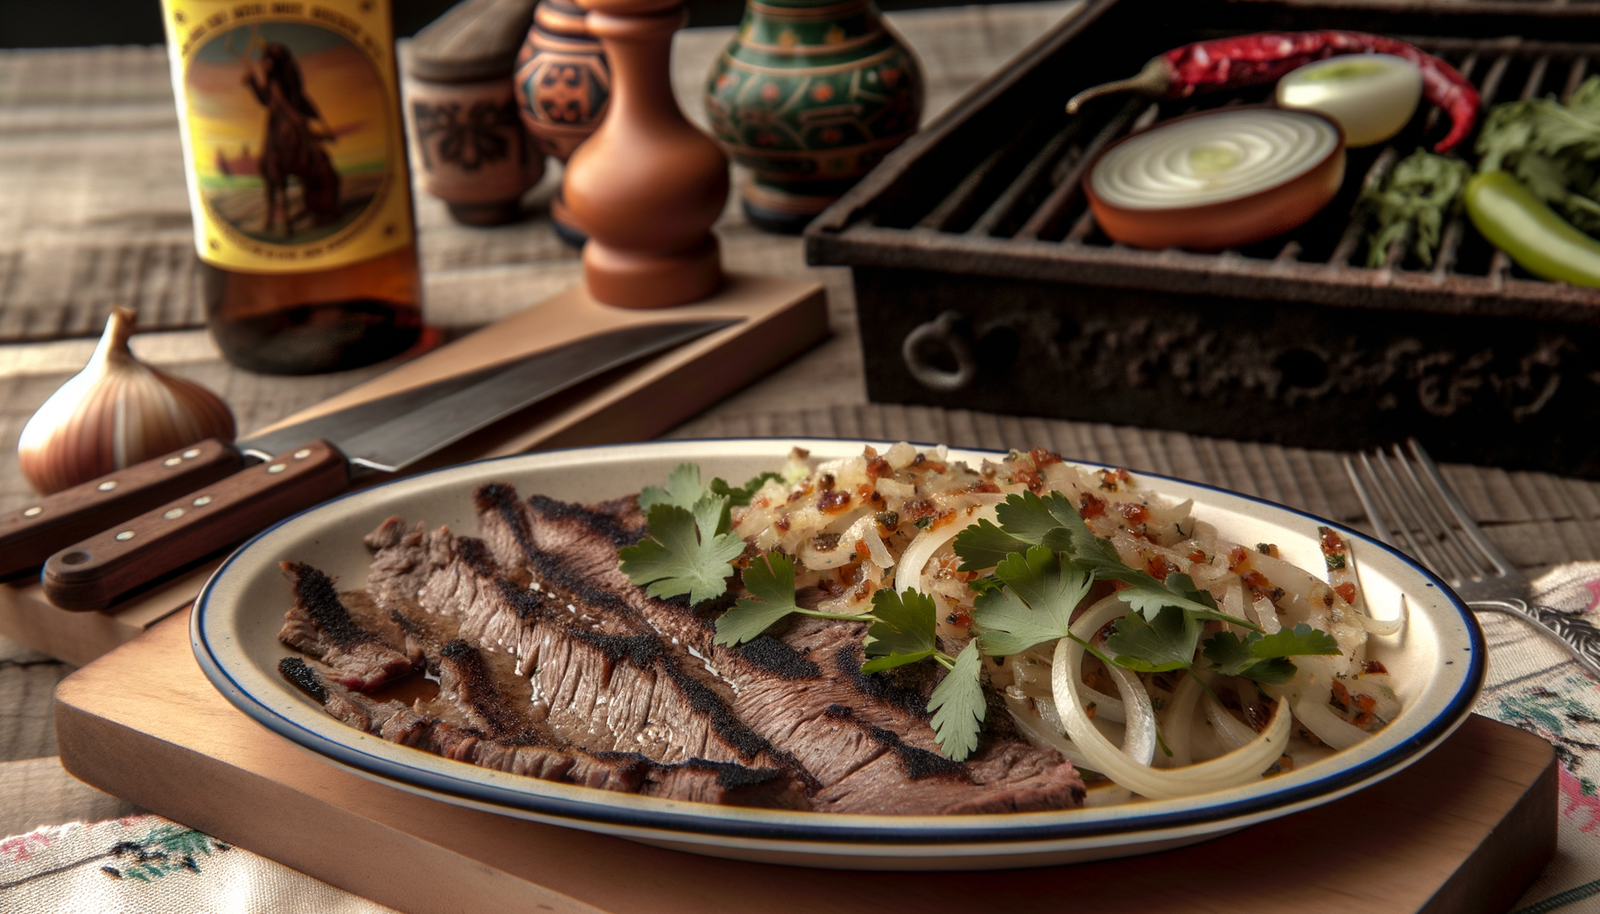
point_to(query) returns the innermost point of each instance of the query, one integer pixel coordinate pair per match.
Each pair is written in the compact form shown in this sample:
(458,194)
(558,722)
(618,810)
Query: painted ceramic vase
(563,86)
(809,96)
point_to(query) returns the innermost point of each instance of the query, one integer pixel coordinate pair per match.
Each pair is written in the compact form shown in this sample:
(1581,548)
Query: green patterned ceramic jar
(809,96)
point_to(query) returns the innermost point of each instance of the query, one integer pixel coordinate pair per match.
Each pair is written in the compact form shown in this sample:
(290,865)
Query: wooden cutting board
(778,320)
(1463,830)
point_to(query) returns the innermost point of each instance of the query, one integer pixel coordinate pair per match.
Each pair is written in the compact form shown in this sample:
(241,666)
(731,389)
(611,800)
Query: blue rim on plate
(539,799)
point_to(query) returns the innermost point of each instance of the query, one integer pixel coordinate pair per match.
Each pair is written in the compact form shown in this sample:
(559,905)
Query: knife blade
(30,534)
(93,574)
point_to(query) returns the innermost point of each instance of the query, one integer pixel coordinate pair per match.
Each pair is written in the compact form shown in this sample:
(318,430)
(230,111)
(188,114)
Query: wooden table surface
(93,213)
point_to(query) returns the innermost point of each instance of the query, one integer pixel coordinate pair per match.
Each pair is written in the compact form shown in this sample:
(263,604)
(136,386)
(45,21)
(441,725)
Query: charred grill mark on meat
(621,535)
(919,763)
(320,625)
(462,673)
(303,677)
(773,656)
(579,653)
(847,660)
(696,780)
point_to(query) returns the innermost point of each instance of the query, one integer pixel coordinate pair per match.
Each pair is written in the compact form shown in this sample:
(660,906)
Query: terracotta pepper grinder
(563,86)
(648,185)
(472,151)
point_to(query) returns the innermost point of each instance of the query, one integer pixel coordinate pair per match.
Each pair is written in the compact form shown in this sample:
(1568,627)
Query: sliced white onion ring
(1211,158)
(921,549)
(1230,770)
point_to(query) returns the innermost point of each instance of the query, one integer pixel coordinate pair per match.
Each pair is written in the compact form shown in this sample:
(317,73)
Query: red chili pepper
(1251,60)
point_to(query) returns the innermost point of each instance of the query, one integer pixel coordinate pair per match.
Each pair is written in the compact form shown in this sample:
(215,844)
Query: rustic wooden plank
(1464,829)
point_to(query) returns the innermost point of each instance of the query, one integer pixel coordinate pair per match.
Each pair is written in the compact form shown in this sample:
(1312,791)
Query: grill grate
(982,280)
(1030,187)
(1016,207)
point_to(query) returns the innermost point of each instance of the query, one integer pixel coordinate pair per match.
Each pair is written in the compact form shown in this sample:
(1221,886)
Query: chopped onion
(1035,730)
(1313,712)
(1233,733)
(1177,722)
(921,549)
(1385,626)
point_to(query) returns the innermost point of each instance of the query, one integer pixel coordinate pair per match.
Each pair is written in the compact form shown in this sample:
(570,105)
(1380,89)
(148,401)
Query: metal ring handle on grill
(940,334)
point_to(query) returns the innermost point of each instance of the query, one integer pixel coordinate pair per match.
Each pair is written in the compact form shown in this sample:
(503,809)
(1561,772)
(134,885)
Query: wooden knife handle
(30,534)
(94,573)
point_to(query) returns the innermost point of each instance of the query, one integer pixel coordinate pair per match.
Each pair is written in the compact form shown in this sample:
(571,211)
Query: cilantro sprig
(690,545)
(770,581)
(1045,559)
(905,630)
(1264,658)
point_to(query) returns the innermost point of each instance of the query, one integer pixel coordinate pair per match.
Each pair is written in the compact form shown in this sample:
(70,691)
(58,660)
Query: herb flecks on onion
(1370,96)
(1218,179)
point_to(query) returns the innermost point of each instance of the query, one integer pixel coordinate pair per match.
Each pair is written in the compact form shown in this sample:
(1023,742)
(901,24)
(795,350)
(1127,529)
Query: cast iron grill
(976,235)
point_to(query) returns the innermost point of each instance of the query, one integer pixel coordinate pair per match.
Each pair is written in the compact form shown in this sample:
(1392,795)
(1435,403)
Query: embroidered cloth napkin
(150,865)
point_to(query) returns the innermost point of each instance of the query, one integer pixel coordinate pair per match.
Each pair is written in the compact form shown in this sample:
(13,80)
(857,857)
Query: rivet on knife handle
(94,573)
(30,534)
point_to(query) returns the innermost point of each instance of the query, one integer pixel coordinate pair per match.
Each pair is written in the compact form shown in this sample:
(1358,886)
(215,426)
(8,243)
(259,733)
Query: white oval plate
(1437,665)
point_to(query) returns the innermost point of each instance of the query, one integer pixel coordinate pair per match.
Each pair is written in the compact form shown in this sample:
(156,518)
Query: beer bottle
(295,160)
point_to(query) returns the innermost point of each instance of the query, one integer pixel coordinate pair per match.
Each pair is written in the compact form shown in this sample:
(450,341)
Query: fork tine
(1444,535)
(1497,560)
(1376,494)
(1424,544)
(1367,503)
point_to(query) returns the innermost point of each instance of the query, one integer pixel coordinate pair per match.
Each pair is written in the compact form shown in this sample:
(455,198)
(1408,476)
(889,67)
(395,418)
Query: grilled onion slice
(1217,179)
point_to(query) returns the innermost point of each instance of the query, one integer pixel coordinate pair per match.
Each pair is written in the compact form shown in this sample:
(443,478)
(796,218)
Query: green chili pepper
(1531,233)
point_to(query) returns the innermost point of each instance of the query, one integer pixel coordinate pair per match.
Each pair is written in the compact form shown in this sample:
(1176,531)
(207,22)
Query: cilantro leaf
(1036,520)
(890,661)
(680,556)
(1042,589)
(683,489)
(1149,599)
(958,705)
(770,580)
(902,624)
(1166,642)
(1228,653)
(1264,658)
(983,545)
(1293,642)
(741,496)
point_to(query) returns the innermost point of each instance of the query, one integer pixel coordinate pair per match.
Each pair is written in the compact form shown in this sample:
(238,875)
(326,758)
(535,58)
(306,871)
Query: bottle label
(291,132)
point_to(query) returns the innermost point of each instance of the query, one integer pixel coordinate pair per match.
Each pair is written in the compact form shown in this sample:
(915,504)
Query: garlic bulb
(115,413)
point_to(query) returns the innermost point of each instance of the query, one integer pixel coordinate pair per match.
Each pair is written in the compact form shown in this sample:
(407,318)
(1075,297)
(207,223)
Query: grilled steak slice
(599,680)
(695,780)
(866,740)
(320,624)
(727,784)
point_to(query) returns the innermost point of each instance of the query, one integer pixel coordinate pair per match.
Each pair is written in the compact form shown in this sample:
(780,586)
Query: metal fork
(1413,509)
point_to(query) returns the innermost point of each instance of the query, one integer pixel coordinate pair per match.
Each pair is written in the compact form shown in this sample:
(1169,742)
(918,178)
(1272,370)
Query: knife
(93,574)
(30,534)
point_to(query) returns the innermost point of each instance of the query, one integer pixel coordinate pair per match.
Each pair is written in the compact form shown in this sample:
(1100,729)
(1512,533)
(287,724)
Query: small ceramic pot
(470,148)
(563,87)
(472,151)
(809,96)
